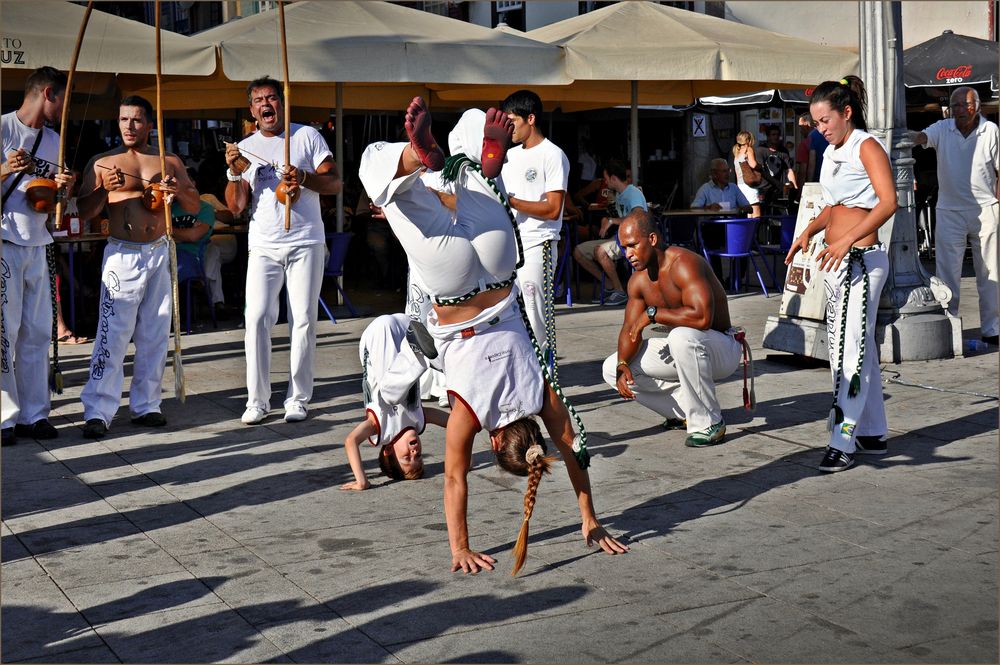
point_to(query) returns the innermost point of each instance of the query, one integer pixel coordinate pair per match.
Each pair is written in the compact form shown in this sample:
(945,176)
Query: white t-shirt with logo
(21,224)
(267,215)
(528,174)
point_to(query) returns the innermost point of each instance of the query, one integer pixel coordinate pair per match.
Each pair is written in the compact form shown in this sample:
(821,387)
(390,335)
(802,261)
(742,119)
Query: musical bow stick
(178,367)
(288,107)
(67,97)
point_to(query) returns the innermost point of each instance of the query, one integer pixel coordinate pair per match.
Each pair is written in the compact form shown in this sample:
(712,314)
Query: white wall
(538,14)
(834,22)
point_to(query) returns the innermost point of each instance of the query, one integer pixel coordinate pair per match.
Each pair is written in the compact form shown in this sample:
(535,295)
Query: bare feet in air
(418,128)
(497,132)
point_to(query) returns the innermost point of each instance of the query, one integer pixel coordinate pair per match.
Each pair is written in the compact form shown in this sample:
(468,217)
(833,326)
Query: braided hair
(848,91)
(522,452)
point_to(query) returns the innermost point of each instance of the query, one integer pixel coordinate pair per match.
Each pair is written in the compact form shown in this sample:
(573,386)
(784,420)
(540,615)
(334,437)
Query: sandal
(70,338)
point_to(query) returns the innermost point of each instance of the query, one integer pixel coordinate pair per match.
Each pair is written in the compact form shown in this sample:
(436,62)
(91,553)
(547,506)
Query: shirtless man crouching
(135,274)
(673,375)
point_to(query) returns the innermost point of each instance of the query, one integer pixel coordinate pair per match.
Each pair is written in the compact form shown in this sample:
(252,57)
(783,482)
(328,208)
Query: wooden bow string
(58,221)
(178,367)
(288,108)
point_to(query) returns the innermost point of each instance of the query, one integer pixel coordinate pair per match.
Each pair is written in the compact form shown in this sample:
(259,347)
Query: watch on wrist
(651,313)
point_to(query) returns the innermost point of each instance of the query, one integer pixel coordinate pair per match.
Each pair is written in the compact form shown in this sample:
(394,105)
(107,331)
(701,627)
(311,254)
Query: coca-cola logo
(955,73)
(808,92)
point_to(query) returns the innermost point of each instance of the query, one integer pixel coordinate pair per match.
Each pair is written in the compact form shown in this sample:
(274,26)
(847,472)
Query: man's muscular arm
(697,308)
(628,344)
(550,207)
(187,193)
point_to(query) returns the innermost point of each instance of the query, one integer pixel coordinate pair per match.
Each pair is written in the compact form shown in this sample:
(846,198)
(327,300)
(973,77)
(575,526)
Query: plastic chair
(190,269)
(337,243)
(563,274)
(740,242)
(778,251)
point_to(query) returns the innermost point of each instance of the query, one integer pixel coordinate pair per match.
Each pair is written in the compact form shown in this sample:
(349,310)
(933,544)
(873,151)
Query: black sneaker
(7,436)
(674,424)
(836,460)
(420,340)
(151,419)
(991,339)
(871,445)
(94,429)
(40,429)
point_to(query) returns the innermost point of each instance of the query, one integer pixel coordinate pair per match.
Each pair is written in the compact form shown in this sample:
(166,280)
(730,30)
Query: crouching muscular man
(673,375)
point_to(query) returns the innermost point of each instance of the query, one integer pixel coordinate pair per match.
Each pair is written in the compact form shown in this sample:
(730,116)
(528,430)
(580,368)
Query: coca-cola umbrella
(950,60)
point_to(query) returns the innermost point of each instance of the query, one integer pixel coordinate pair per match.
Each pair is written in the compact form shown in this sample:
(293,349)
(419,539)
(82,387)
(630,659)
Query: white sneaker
(295,412)
(253,415)
(444,402)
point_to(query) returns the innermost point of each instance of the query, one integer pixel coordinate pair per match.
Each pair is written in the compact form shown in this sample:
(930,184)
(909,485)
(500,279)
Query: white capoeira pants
(864,414)
(675,375)
(26,323)
(534,285)
(135,304)
(418,306)
(300,269)
(391,370)
(977,226)
(453,254)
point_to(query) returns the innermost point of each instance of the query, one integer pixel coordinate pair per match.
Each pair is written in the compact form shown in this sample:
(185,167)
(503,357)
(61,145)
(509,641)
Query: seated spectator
(193,234)
(718,193)
(598,257)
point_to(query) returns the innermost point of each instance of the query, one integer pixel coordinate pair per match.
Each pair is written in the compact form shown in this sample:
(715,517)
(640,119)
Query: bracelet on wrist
(305,176)
(232,177)
(622,362)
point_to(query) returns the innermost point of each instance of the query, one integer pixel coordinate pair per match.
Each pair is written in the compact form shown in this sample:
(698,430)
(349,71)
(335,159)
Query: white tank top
(843,177)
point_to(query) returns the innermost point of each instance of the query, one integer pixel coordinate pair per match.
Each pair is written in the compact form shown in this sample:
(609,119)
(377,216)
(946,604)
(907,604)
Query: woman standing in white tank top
(859,196)
(743,151)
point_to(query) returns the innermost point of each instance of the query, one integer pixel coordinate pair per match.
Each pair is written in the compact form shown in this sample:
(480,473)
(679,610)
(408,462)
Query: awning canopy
(951,60)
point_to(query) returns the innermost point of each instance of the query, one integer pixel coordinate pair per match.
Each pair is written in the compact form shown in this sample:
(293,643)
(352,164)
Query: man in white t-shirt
(277,256)
(536,176)
(967,157)
(30,151)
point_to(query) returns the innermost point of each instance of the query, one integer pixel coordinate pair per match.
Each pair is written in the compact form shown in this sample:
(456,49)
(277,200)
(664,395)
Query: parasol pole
(178,367)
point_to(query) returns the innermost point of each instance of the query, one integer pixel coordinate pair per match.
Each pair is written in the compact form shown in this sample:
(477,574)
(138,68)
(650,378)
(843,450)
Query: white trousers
(977,226)
(213,273)
(453,254)
(135,304)
(300,269)
(864,414)
(534,286)
(675,375)
(25,333)
(391,366)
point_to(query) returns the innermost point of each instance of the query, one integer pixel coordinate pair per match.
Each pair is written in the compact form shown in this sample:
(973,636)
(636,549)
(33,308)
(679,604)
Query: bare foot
(497,132)
(418,128)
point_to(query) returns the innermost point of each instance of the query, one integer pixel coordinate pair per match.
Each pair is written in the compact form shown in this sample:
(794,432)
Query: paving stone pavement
(211,541)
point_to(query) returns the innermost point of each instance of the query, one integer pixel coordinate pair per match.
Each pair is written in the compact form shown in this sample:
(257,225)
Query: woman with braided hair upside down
(466,258)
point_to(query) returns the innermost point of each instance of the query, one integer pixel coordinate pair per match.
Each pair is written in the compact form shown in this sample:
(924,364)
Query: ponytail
(538,465)
(848,91)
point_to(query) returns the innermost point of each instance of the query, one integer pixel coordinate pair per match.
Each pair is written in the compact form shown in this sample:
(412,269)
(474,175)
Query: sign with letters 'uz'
(699,125)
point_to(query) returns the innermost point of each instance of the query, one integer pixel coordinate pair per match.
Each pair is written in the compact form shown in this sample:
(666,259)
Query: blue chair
(563,275)
(337,243)
(681,230)
(740,242)
(190,269)
(778,251)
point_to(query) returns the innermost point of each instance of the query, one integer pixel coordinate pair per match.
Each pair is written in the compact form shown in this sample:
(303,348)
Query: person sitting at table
(599,257)
(718,193)
(193,233)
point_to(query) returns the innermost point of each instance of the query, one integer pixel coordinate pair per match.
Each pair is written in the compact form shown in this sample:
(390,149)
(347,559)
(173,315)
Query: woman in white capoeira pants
(467,262)
(859,195)
(394,417)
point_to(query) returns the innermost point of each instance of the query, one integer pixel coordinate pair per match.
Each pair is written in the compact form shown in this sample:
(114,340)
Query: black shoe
(871,445)
(8,437)
(836,460)
(94,429)
(420,340)
(991,339)
(221,311)
(40,429)
(151,419)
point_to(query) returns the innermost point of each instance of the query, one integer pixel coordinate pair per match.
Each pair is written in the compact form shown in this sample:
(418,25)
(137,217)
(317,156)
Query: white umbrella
(43,32)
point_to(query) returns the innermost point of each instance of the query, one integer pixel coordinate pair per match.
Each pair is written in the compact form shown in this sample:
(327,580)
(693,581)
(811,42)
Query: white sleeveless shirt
(843,177)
